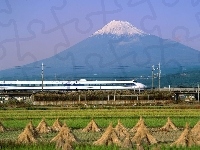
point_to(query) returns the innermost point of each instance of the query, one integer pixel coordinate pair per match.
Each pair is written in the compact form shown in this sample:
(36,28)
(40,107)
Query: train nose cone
(143,86)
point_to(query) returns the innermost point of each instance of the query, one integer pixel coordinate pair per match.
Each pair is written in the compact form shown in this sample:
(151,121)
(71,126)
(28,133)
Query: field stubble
(16,120)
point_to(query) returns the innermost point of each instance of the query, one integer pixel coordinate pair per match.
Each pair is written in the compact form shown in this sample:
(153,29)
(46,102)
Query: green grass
(14,146)
(79,118)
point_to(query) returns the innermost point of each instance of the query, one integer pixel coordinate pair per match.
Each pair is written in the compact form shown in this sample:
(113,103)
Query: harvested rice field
(61,128)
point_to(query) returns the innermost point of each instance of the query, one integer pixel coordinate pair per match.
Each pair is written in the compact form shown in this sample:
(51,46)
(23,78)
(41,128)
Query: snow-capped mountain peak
(119,28)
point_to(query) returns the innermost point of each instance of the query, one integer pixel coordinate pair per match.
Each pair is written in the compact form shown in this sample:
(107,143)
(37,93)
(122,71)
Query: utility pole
(42,76)
(152,77)
(198,92)
(159,73)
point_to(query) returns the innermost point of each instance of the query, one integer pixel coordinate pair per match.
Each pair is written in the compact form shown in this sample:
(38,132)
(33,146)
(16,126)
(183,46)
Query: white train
(71,85)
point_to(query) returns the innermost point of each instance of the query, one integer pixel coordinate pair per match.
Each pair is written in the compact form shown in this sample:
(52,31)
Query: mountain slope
(117,50)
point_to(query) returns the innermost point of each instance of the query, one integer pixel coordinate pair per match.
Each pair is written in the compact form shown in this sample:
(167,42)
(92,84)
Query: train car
(82,84)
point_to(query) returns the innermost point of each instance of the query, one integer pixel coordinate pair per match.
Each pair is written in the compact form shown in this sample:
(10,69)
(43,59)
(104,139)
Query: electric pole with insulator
(42,76)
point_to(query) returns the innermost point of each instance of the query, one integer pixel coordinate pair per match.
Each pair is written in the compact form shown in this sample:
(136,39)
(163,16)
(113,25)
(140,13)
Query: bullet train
(81,84)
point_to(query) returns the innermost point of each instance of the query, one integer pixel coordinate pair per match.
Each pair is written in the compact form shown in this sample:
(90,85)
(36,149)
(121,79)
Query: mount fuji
(117,50)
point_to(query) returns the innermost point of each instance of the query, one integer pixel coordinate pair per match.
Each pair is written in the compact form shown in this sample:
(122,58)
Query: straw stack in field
(169,126)
(64,138)
(139,147)
(196,128)
(127,143)
(43,127)
(32,128)
(121,130)
(186,139)
(196,132)
(57,125)
(141,121)
(2,128)
(109,137)
(143,136)
(92,126)
(28,135)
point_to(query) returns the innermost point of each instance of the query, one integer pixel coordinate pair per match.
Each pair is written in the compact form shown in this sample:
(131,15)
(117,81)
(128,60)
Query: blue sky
(33,30)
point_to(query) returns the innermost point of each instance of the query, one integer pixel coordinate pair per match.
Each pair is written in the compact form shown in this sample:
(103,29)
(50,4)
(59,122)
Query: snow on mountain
(119,28)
